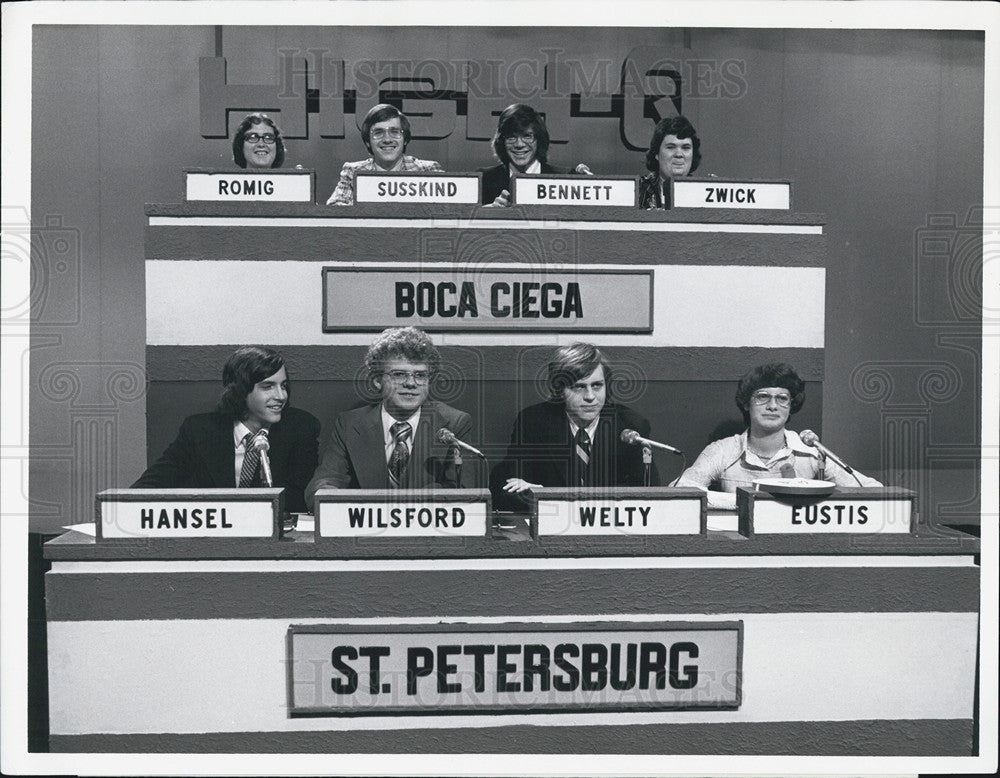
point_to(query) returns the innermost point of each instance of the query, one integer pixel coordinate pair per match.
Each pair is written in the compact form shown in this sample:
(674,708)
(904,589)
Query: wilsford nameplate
(361,299)
(513,668)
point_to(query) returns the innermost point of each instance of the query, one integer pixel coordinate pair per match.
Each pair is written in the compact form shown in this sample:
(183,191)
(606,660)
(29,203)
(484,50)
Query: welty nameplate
(575,190)
(392,514)
(273,186)
(362,299)
(719,193)
(623,512)
(189,513)
(338,670)
(462,188)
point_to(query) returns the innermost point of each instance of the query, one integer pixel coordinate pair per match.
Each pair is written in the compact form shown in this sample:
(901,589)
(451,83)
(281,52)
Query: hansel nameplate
(189,513)
(858,511)
(575,190)
(486,297)
(341,670)
(271,186)
(717,193)
(619,512)
(391,514)
(462,188)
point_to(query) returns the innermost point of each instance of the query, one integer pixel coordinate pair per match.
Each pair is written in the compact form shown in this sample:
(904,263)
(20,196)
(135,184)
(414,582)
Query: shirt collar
(532,170)
(591,428)
(240,431)
(388,420)
(793,445)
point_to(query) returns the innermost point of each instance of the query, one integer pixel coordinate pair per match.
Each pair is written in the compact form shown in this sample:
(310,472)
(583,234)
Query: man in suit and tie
(393,443)
(573,438)
(222,449)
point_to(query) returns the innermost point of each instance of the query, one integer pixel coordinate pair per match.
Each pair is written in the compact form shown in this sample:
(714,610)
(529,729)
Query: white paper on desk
(305,523)
(84,529)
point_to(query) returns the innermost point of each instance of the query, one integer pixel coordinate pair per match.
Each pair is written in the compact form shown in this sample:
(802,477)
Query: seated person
(573,438)
(216,451)
(386,134)
(393,443)
(674,152)
(521,143)
(766,396)
(257,143)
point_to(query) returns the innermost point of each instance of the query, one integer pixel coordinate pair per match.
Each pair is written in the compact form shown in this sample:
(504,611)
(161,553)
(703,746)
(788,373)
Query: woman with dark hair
(674,152)
(211,450)
(521,143)
(257,143)
(386,133)
(766,396)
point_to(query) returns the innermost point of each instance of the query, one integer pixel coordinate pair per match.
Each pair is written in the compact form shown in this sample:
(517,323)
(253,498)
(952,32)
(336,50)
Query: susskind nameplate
(292,186)
(391,514)
(341,670)
(189,513)
(418,188)
(719,193)
(847,511)
(624,512)
(574,190)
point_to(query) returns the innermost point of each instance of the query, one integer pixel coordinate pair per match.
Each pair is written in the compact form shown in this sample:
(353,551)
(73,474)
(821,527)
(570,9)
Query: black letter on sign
(415,669)
(690,678)
(337,658)
(404,299)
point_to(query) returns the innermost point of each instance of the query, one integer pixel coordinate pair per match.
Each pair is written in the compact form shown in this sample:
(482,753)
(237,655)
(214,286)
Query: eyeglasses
(253,137)
(765,398)
(524,137)
(401,376)
(393,132)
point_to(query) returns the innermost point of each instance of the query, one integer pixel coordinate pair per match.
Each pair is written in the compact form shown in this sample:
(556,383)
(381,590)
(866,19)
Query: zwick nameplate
(719,193)
(341,670)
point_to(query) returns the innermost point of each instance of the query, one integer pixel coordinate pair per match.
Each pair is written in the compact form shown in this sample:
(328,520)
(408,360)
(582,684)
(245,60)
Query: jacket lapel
(368,451)
(220,454)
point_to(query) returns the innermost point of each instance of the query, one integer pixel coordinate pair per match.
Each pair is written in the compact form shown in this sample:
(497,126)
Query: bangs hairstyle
(407,343)
(772,374)
(383,112)
(682,129)
(247,367)
(573,363)
(252,120)
(518,119)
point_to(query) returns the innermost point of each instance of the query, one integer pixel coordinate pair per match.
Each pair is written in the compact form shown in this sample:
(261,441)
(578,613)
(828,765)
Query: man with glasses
(393,443)
(386,134)
(766,396)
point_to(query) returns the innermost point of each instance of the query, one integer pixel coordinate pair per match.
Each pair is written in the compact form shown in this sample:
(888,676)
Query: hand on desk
(502,200)
(518,485)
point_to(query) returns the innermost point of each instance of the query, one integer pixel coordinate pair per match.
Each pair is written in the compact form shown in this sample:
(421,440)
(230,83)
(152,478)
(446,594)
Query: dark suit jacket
(497,178)
(355,455)
(541,451)
(203,456)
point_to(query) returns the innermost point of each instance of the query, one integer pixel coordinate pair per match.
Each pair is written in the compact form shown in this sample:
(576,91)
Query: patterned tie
(400,453)
(251,461)
(581,449)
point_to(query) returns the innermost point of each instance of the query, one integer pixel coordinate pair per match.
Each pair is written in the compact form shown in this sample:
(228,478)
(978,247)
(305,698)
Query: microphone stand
(647,463)
(457,458)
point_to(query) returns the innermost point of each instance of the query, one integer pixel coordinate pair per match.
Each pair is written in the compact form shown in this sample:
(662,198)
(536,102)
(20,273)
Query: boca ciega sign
(362,299)
(513,668)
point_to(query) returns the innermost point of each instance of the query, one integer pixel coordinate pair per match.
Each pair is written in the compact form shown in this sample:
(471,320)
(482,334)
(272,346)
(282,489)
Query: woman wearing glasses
(766,396)
(257,143)
(521,143)
(386,134)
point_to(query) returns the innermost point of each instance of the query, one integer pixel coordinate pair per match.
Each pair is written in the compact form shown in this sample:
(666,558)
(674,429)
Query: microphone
(583,170)
(811,439)
(445,435)
(633,438)
(263,445)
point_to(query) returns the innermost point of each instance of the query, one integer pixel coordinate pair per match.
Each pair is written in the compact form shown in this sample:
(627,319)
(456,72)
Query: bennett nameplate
(513,668)
(680,514)
(417,188)
(188,513)
(847,511)
(574,190)
(390,514)
(732,194)
(363,299)
(264,187)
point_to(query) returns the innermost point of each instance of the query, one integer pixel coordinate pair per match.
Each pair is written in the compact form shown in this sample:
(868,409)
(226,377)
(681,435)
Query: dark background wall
(881,131)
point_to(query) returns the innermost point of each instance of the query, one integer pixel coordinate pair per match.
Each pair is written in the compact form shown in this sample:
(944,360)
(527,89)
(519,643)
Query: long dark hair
(253,120)
(247,367)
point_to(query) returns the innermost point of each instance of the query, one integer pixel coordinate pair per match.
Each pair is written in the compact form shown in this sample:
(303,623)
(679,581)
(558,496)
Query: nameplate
(462,188)
(189,513)
(623,511)
(341,670)
(464,299)
(390,514)
(272,186)
(857,511)
(717,193)
(575,190)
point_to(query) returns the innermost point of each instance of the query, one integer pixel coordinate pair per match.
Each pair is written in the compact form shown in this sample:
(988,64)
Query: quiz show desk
(579,627)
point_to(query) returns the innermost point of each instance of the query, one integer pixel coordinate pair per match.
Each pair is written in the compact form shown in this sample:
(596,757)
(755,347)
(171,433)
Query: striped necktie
(581,452)
(400,456)
(251,461)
